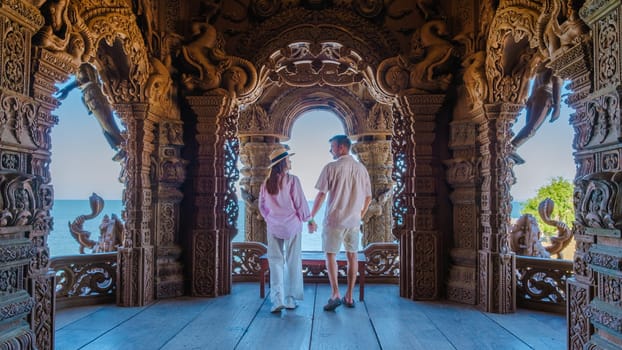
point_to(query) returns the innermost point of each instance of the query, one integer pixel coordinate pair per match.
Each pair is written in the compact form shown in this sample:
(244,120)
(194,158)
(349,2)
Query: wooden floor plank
(344,328)
(153,327)
(468,328)
(243,321)
(538,329)
(84,330)
(289,329)
(393,316)
(222,323)
(67,316)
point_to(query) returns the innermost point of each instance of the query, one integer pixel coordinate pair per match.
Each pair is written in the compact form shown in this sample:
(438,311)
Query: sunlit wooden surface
(243,320)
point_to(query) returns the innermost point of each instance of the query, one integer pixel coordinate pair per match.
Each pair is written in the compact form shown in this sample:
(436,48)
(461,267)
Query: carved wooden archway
(45,41)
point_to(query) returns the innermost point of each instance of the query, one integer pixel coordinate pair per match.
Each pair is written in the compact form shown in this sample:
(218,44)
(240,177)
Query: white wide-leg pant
(285,268)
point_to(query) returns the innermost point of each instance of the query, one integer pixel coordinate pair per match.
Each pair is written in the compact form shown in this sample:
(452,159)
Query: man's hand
(312,226)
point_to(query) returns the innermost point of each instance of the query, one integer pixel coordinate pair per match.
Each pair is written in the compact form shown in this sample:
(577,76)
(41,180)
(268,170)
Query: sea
(64,212)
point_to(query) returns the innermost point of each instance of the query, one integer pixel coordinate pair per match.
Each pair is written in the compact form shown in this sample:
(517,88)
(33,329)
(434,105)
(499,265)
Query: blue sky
(82,159)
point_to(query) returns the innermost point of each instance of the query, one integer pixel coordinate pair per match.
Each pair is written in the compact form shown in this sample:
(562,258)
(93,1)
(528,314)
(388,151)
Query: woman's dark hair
(272,182)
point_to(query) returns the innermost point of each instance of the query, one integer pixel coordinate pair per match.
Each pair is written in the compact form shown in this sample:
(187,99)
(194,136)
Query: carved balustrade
(541,283)
(383,263)
(85,279)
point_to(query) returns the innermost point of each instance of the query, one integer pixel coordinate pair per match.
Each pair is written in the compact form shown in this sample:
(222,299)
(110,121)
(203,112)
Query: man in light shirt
(347,184)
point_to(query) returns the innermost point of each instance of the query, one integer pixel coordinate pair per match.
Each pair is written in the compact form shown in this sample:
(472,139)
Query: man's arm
(365,206)
(317,203)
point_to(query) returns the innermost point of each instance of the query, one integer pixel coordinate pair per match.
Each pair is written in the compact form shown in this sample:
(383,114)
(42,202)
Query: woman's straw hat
(278,155)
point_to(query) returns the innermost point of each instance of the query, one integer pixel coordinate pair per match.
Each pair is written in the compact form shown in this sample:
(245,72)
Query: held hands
(312,226)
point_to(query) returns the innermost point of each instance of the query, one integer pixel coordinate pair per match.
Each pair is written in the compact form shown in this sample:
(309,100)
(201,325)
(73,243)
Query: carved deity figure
(545,98)
(64,31)
(560,37)
(96,102)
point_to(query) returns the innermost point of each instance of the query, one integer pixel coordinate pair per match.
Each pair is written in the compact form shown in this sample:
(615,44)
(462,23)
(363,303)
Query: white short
(333,237)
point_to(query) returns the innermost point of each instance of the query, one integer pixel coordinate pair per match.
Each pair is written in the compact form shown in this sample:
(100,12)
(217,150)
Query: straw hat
(278,155)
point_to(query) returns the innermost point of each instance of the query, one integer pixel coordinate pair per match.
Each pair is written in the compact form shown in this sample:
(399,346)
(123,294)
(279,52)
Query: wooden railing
(85,279)
(383,263)
(541,283)
(91,278)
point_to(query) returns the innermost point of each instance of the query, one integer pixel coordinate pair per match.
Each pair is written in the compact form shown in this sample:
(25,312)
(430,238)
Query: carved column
(594,309)
(375,153)
(136,256)
(254,158)
(26,196)
(170,173)
(497,281)
(462,175)
(421,274)
(208,241)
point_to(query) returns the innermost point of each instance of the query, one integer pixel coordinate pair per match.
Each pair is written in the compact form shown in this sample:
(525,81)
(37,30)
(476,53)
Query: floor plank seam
(371,322)
(79,319)
(440,330)
(251,322)
(146,307)
(313,317)
(507,330)
(207,305)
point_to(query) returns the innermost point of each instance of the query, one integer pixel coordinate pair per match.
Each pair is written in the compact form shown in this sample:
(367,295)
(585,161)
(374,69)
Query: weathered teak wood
(243,321)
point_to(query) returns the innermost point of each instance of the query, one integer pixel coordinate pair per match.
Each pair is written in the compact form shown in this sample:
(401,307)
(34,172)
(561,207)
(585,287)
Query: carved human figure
(97,104)
(475,77)
(545,98)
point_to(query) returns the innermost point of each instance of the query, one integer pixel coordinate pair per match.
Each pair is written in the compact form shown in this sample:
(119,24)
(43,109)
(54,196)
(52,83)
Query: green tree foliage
(560,191)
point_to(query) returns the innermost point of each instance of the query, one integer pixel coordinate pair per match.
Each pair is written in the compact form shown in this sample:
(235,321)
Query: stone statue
(525,234)
(545,98)
(110,229)
(97,104)
(525,237)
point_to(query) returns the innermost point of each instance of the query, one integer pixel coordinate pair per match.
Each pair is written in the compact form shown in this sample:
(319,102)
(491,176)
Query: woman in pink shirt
(284,207)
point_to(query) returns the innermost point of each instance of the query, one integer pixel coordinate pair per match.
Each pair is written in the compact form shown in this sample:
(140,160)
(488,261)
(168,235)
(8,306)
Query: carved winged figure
(203,54)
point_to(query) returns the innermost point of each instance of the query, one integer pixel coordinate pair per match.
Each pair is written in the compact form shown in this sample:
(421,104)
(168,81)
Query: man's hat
(278,155)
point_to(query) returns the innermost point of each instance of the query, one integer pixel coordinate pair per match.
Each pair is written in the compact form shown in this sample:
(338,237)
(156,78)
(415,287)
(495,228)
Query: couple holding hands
(284,207)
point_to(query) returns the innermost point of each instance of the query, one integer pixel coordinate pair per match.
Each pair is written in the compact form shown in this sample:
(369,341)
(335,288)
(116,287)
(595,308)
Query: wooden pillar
(136,256)
(420,247)
(254,158)
(27,80)
(463,175)
(497,263)
(208,241)
(375,153)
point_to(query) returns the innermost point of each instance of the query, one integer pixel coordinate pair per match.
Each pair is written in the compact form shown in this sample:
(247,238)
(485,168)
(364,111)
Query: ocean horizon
(65,211)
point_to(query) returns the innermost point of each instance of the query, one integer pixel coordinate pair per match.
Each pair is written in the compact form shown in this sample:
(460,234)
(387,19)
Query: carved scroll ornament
(207,67)
(426,68)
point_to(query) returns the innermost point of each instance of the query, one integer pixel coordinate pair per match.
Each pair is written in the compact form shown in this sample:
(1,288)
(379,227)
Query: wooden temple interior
(427,90)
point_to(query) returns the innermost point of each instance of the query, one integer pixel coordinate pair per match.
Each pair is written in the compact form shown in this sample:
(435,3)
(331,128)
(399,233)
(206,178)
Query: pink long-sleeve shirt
(285,211)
